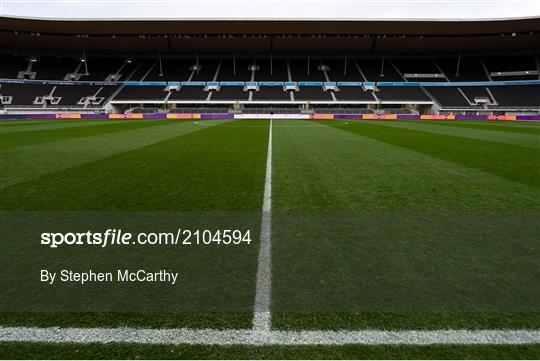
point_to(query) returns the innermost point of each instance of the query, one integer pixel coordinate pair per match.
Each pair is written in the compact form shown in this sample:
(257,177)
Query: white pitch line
(261,308)
(261,338)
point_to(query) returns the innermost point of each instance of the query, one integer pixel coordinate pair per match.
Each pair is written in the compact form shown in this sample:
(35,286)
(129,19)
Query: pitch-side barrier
(272,116)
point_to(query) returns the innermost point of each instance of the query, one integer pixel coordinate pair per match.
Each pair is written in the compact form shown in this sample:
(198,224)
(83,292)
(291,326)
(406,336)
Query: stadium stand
(511,68)
(49,68)
(205,70)
(466,69)
(342,70)
(137,93)
(189,93)
(143,110)
(140,70)
(478,93)
(170,69)
(341,110)
(447,96)
(427,67)
(401,94)
(516,96)
(379,76)
(204,109)
(272,93)
(239,70)
(25,94)
(312,93)
(421,69)
(390,110)
(100,69)
(354,94)
(271,70)
(378,70)
(230,93)
(11,66)
(306,70)
(74,94)
(271,110)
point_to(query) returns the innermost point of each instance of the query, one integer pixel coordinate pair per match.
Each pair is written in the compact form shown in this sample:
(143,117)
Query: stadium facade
(435,66)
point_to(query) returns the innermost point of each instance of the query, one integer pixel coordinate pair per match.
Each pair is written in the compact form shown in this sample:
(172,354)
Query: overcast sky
(271,9)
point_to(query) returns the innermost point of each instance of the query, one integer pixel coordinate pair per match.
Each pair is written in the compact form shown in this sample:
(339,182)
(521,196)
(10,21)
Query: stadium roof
(270,26)
(275,10)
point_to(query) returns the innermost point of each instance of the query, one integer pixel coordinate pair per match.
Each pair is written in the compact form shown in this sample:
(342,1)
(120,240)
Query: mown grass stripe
(515,163)
(18,139)
(4,124)
(512,138)
(24,163)
(39,126)
(510,127)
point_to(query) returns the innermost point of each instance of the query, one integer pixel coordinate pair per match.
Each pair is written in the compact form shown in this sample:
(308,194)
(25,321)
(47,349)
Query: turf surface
(376,224)
(395,226)
(130,351)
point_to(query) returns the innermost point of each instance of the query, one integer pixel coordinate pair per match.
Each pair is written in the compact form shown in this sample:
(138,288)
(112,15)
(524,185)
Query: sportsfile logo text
(118,237)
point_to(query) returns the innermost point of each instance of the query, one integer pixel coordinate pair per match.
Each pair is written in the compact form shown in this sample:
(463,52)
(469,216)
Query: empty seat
(10,66)
(142,93)
(354,94)
(238,70)
(448,96)
(72,94)
(401,94)
(189,93)
(300,71)
(373,70)
(470,69)
(271,93)
(337,72)
(25,94)
(473,92)
(49,68)
(171,70)
(230,93)
(271,70)
(207,70)
(517,95)
(312,93)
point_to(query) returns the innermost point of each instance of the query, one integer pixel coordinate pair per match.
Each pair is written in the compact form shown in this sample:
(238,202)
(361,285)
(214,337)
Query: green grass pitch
(388,225)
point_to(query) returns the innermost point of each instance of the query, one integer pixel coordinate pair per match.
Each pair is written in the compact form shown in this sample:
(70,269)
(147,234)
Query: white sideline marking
(258,338)
(261,308)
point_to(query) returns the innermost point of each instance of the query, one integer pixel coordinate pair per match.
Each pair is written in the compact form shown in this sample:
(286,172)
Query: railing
(493,107)
(342,111)
(268,110)
(200,110)
(263,84)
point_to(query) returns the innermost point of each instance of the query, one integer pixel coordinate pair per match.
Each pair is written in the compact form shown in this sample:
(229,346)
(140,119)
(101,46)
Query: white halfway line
(261,308)
(258,338)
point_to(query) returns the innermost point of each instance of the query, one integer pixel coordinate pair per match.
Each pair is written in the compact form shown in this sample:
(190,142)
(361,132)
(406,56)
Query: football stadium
(347,179)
